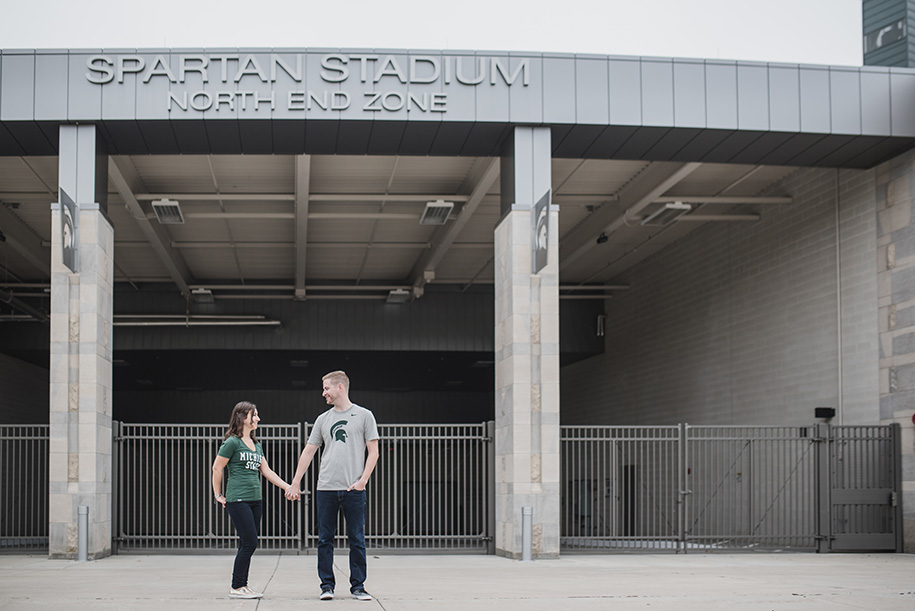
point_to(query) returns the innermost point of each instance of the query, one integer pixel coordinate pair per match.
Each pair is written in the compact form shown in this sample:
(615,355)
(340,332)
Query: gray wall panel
(284,85)
(815,111)
(784,99)
(428,89)
(390,88)
(213,86)
(902,92)
(625,91)
(17,87)
(657,92)
(263,90)
(845,93)
(528,104)
(558,81)
(424,91)
(84,100)
(152,97)
(119,103)
(752,96)
(355,88)
(721,94)
(462,101)
(592,91)
(51,71)
(875,102)
(689,93)
(493,103)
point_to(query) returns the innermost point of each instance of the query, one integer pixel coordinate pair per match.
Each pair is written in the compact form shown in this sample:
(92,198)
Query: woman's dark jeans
(246,517)
(353,504)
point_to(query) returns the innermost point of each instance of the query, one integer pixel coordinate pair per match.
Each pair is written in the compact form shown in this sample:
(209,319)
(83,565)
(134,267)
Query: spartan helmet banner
(540,224)
(69,228)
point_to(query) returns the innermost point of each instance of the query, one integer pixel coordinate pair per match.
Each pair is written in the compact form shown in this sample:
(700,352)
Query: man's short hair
(337,377)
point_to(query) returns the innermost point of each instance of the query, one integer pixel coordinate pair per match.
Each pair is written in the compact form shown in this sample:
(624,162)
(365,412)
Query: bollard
(527,527)
(83,550)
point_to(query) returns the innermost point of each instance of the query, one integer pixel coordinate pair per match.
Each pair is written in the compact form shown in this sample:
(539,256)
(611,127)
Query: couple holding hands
(349,436)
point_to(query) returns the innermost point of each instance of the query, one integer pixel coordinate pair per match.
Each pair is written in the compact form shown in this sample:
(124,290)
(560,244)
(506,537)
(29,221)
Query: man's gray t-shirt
(343,435)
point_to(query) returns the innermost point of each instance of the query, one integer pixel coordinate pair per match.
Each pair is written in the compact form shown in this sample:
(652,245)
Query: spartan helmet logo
(338,431)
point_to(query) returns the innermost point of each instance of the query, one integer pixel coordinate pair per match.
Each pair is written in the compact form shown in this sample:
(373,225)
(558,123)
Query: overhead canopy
(333,101)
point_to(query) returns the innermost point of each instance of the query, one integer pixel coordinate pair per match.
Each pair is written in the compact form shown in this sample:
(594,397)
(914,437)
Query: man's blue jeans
(353,504)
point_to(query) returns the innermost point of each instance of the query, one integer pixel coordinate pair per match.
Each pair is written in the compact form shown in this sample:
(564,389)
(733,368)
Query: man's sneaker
(244,592)
(361,595)
(327,594)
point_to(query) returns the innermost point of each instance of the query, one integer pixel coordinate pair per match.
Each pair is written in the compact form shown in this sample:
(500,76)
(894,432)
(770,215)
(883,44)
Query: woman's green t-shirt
(244,470)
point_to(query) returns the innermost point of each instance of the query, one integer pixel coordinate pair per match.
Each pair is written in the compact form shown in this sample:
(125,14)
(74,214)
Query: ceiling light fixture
(202,295)
(436,213)
(398,296)
(168,211)
(666,214)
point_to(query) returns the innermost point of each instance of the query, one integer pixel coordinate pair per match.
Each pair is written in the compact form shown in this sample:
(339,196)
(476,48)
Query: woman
(244,456)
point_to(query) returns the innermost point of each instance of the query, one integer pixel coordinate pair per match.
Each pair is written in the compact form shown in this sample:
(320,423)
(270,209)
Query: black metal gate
(864,473)
(729,488)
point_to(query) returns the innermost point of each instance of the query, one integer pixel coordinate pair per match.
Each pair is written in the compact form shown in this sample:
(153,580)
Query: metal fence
(429,491)
(164,493)
(730,488)
(676,488)
(23,487)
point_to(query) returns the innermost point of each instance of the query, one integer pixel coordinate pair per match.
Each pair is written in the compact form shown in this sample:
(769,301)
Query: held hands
(292,492)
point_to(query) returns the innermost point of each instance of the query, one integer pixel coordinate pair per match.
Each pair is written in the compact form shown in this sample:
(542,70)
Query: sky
(788,31)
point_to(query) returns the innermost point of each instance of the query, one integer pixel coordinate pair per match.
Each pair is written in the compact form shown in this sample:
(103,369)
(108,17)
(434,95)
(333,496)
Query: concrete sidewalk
(451,583)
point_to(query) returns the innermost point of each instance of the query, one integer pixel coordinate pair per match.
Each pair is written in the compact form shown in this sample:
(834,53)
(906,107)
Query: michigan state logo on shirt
(338,431)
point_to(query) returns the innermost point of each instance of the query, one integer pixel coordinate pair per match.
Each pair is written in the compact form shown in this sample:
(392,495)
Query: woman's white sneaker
(244,592)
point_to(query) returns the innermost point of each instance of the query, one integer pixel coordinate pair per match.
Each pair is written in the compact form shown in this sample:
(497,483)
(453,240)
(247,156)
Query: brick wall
(738,322)
(759,323)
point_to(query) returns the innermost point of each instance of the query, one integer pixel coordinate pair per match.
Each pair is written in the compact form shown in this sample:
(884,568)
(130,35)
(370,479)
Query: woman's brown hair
(237,420)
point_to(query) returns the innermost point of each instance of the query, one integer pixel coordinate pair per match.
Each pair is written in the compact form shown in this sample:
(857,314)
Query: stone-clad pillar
(81,340)
(527,353)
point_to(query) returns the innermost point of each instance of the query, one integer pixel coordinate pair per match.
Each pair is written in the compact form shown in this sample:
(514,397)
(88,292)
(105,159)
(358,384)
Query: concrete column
(527,354)
(81,340)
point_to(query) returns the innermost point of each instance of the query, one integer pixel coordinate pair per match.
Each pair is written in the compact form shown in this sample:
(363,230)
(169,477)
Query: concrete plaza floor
(704,581)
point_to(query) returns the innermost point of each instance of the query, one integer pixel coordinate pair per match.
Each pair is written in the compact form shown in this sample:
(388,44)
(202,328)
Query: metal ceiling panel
(212,263)
(137,262)
(348,174)
(347,242)
(254,173)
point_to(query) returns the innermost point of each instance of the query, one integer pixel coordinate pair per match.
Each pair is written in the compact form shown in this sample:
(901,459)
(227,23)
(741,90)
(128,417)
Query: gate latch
(893,499)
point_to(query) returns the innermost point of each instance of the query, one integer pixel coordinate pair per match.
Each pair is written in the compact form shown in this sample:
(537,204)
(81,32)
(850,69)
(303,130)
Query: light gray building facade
(300,177)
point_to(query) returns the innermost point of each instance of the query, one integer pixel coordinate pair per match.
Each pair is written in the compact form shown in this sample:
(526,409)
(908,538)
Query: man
(346,431)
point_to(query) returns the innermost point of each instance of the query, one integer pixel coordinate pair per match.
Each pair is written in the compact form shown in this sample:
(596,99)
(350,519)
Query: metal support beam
(652,183)
(302,183)
(122,175)
(424,270)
